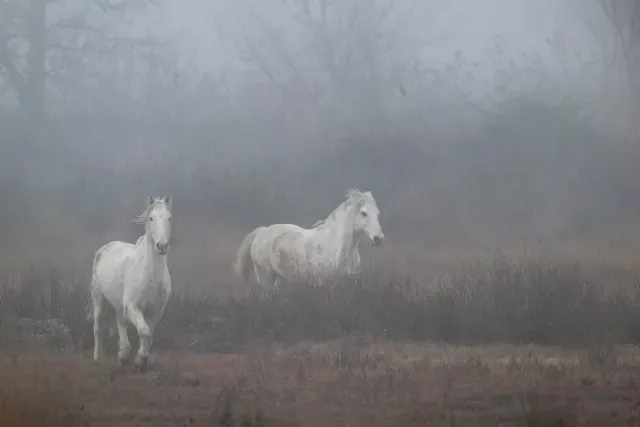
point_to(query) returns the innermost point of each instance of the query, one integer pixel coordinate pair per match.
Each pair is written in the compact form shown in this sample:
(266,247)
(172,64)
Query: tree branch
(255,58)
(108,6)
(635,17)
(79,26)
(16,78)
(84,49)
(622,44)
(276,46)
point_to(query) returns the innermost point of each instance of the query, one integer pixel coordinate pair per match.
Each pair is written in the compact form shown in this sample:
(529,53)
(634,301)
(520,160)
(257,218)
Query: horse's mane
(142,218)
(353,196)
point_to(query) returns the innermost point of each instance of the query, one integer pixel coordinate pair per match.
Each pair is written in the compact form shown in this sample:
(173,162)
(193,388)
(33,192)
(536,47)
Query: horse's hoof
(141,364)
(123,361)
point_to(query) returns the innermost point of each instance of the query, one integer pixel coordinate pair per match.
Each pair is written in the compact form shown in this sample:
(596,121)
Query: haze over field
(506,120)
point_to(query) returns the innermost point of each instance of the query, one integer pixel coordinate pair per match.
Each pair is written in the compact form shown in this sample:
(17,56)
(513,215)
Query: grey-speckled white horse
(289,252)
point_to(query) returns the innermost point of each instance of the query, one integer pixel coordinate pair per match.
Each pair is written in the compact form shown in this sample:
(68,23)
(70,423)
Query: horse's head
(157,223)
(367,216)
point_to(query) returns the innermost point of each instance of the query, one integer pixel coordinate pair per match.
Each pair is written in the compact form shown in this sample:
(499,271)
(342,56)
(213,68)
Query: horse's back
(113,251)
(273,236)
(281,247)
(288,229)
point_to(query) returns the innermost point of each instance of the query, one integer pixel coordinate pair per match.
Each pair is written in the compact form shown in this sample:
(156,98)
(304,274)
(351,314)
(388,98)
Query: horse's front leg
(352,266)
(124,347)
(136,317)
(153,321)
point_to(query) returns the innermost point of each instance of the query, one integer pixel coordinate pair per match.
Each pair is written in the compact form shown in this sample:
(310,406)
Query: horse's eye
(151,218)
(169,218)
(363,213)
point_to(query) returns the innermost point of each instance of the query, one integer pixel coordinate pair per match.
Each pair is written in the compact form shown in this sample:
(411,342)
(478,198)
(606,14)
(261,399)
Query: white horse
(135,281)
(289,252)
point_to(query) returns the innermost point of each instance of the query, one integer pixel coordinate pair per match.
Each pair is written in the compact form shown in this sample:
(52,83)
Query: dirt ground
(344,383)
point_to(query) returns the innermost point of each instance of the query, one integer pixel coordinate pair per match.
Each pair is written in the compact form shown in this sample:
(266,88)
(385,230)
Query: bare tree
(624,17)
(335,52)
(34,47)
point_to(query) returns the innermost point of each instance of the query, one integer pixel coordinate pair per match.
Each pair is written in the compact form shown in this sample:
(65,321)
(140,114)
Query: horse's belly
(297,262)
(322,266)
(113,295)
(108,274)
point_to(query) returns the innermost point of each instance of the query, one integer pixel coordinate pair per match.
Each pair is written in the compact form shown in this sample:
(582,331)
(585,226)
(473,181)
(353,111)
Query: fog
(501,121)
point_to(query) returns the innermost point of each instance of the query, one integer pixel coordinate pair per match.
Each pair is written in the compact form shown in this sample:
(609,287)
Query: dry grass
(36,410)
(505,296)
(33,400)
(345,382)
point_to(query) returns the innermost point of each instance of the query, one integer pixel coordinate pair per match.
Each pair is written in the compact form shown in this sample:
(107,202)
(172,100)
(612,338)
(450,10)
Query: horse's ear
(167,199)
(150,199)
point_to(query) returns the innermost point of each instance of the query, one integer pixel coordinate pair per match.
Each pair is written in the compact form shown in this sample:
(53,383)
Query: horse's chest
(152,300)
(155,293)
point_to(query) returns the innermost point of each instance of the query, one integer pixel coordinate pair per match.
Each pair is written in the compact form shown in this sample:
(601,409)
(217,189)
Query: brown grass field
(335,384)
(506,339)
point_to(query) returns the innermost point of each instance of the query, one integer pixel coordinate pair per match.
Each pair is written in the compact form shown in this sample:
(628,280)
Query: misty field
(501,339)
(506,293)
(500,140)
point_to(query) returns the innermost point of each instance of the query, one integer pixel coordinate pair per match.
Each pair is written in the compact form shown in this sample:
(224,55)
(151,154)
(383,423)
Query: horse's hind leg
(266,277)
(98,302)
(277,281)
(261,275)
(124,347)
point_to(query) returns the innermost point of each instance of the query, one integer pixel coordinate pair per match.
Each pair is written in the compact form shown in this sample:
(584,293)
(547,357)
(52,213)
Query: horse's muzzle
(162,248)
(378,240)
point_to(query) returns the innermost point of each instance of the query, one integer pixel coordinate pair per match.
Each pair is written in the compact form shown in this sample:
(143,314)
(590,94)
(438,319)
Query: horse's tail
(243,261)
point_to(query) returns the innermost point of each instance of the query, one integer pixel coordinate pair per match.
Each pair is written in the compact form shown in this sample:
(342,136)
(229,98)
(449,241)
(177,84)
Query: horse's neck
(152,263)
(341,238)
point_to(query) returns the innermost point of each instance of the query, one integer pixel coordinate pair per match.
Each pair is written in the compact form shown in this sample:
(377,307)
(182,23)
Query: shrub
(534,300)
